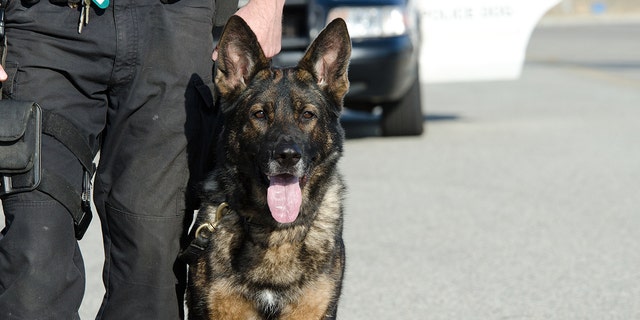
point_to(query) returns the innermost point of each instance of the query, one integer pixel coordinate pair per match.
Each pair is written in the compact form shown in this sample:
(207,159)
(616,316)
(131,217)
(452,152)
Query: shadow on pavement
(358,125)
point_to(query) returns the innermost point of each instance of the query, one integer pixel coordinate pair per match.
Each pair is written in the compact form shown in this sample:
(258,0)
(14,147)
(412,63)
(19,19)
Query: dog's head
(282,126)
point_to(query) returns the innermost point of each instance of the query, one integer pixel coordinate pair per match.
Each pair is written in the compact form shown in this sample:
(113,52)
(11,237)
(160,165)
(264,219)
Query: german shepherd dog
(272,207)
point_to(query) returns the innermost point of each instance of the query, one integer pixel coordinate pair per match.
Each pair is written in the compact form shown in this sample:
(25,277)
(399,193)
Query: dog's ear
(327,58)
(240,57)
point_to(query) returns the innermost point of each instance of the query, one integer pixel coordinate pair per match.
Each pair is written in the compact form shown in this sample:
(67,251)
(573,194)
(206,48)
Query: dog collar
(202,236)
(209,227)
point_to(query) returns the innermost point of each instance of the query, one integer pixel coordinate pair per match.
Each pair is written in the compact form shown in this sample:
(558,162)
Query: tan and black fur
(276,121)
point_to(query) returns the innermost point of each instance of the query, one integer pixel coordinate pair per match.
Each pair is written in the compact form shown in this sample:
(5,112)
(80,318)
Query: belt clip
(83,223)
(86,188)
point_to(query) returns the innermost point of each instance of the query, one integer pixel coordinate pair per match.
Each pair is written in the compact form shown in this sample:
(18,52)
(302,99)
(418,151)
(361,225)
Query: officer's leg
(41,270)
(146,154)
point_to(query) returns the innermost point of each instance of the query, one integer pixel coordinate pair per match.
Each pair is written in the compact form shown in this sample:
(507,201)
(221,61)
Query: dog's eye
(259,114)
(308,115)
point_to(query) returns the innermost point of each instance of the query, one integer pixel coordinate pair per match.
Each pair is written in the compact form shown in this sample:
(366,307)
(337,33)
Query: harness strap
(57,187)
(78,203)
(195,249)
(67,133)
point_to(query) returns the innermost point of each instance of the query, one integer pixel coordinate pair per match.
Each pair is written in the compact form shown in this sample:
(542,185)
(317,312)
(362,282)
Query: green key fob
(102,4)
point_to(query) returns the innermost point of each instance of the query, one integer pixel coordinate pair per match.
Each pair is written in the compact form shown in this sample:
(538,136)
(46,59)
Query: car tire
(404,117)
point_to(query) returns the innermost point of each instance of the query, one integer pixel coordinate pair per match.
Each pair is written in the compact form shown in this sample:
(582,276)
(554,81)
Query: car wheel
(404,117)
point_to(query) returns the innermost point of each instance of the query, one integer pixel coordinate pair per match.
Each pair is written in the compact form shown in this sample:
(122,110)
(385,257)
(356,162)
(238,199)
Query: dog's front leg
(314,303)
(232,307)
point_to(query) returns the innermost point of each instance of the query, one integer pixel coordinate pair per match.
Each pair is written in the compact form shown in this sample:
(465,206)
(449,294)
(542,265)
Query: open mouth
(284,197)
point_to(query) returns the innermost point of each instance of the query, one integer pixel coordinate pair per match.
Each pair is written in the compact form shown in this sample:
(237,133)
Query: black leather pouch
(20,144)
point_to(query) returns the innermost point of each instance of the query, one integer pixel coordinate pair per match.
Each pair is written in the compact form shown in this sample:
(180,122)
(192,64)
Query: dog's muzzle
(285,172)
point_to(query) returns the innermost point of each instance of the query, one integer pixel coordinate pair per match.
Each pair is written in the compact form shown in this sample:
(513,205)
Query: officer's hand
(264,17)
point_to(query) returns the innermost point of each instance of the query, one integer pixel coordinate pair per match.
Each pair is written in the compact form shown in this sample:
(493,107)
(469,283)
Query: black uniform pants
(137,82)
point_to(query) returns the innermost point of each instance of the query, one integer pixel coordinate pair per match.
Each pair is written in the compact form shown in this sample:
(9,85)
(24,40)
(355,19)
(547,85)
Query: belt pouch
(20,144)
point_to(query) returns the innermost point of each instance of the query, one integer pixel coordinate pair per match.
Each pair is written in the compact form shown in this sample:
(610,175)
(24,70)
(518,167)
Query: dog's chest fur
(261,254)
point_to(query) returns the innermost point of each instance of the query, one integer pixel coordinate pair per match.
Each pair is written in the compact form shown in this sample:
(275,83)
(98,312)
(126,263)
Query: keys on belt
(85,10)
(84,14)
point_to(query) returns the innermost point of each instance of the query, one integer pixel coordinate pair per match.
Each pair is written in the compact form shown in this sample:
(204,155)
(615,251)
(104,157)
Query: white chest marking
(267,299)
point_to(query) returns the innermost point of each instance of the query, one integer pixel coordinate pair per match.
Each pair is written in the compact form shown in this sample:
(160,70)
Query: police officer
(135,78)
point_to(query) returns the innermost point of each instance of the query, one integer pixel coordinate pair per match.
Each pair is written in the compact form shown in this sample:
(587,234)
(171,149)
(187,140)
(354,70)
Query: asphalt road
(522,201)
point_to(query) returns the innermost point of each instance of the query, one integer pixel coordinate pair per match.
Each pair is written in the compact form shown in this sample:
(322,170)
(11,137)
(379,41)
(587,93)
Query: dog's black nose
(287,154)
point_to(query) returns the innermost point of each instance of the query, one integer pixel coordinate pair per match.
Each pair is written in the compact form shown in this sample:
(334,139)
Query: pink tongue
(284,198)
